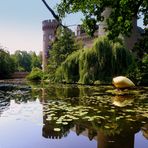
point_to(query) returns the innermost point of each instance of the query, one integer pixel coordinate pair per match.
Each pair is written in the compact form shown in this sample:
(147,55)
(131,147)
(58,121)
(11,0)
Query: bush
(35,75)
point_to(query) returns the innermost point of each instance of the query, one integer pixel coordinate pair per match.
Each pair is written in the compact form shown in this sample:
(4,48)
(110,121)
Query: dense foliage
(139,71)
(6,64)
(63,46)
(35,75)
(120,19)
(95,65)
(25,61)
(19,61)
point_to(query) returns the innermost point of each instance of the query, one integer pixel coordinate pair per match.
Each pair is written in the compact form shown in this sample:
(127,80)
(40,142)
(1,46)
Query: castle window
(50,37)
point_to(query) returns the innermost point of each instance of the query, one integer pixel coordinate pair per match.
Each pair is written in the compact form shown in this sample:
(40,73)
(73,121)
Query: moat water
(72,116)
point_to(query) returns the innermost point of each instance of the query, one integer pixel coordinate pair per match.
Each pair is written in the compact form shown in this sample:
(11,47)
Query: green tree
(61,48)
(22,60)
(120,19)
(35,60)
(7,65)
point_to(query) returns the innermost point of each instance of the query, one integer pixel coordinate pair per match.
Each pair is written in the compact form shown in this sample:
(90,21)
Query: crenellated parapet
(49,31)
(49,24)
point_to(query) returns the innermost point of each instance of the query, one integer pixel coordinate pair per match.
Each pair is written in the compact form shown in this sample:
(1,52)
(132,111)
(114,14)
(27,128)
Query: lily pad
(57,129)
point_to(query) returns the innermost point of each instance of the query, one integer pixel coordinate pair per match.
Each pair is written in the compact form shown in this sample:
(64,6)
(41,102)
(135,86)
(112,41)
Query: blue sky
(21,23)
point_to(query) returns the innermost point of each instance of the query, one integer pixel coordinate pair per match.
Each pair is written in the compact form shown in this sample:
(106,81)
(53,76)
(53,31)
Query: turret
(49,30)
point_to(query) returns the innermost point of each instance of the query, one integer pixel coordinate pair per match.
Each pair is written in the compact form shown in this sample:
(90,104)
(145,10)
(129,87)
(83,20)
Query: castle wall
(49,31)
(83,36)
(134,36)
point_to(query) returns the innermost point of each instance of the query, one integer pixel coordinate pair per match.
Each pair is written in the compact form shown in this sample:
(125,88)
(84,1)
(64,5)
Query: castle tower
(128,41)
(136,32)
(49,30)
(103,25)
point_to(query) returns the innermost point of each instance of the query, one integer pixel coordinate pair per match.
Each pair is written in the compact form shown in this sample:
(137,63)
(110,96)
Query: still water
(71,116)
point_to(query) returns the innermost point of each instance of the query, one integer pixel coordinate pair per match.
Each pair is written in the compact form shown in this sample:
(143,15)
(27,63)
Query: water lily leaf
(129,110)
(143,122)
(106,126)
(130,119)
(58,122)
(65,123)
(57,129)
(48,119)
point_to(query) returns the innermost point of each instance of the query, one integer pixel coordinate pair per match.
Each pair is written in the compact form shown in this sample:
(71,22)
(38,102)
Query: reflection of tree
(145,131)
(109,139)
(18,92)
(108,123)
(4,101)
(86,130)
(115,141)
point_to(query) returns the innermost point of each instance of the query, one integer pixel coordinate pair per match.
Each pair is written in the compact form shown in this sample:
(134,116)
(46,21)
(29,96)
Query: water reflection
(4,101)
(99,113)
(145,131)
(102,118)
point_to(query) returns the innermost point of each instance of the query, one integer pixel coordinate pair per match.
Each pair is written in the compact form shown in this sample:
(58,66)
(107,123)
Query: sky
(21,23)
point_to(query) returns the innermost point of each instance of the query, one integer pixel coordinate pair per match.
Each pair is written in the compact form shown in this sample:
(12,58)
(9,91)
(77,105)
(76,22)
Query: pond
(72,116)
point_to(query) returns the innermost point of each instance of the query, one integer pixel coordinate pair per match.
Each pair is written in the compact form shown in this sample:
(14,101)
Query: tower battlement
(49,31)
(49,24)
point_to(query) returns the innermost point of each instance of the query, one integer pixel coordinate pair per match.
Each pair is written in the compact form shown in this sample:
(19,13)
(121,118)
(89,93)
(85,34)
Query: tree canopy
(120,19)
(64,45)
(7,65)
(25,61)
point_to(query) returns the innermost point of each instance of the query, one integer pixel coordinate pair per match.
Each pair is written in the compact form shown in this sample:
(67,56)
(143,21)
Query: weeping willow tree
(69,70)
(63,46)
(95,65)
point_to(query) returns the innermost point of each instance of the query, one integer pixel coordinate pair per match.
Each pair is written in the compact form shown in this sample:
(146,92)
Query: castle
(49,29)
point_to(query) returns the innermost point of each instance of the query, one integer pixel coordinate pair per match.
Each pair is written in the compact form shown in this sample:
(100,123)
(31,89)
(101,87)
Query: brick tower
(49,30)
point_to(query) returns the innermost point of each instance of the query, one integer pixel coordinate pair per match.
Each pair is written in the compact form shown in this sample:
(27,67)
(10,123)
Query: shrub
(35,75)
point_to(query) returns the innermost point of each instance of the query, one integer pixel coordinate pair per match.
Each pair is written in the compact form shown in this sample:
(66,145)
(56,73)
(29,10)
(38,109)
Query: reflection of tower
(48,128)
(116,141)
(49,29)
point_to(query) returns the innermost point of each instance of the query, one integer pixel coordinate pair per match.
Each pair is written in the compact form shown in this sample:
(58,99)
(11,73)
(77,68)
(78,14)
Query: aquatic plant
(110,112)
